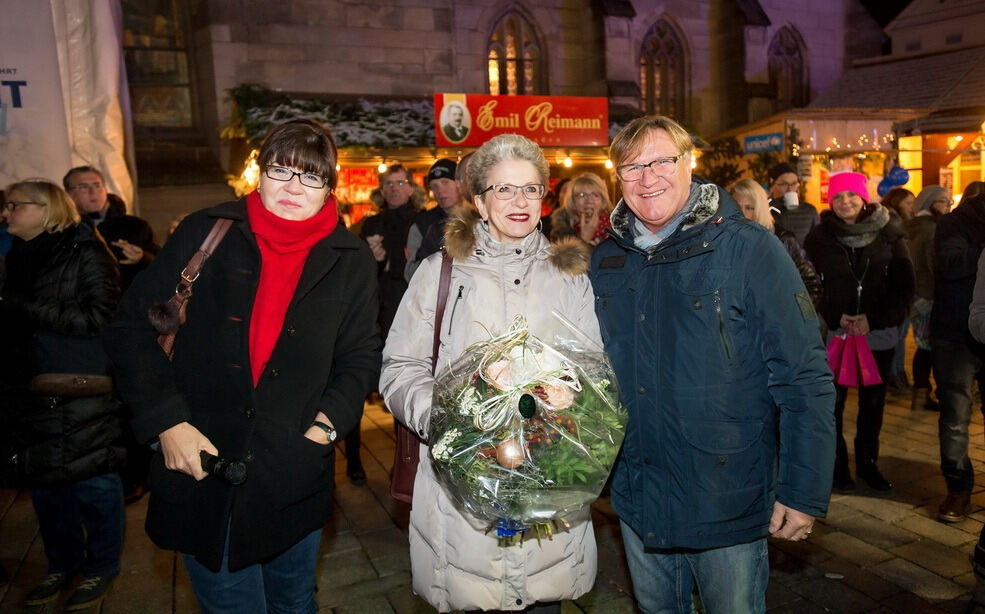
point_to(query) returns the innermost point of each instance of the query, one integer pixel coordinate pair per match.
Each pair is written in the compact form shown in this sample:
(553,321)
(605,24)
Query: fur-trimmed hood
(707,206)
(464,232)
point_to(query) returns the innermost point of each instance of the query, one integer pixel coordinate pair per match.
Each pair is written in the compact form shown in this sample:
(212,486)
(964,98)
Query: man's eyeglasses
(310,180)
(588,196)
(396,184)
(787,185)
(507,191)
(86,187)
(661,167)
(14,205)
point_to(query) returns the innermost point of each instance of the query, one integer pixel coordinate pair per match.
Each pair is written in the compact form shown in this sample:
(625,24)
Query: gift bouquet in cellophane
(524,432)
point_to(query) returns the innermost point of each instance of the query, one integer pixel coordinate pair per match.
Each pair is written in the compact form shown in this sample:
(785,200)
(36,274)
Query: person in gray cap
(788,212)
(431,222)
(932,202)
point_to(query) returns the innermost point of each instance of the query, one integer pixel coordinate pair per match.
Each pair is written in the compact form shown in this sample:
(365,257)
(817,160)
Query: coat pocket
(289,468)
(728,468)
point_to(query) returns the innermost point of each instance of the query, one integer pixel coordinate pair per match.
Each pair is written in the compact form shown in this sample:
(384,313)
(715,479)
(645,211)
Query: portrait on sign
(455,122)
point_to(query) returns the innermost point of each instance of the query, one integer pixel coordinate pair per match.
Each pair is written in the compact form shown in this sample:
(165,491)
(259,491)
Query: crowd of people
(715,305)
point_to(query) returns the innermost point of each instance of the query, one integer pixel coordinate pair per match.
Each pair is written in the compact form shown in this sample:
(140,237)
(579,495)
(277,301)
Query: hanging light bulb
(567,162)
(608,164)
(381,168)
(338,167)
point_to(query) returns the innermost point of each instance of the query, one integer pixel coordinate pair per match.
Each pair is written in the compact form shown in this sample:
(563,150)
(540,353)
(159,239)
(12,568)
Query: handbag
(406,456)
(70,385)
(867,368)
(835,347)
(167,318)
(847,374)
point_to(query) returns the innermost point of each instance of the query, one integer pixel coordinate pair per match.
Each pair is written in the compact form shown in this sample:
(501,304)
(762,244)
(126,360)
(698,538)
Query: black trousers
(871,401)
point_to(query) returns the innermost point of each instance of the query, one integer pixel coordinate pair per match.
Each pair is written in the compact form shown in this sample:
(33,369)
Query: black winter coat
(882,267)
(393,225)
(326,358)
(61,293)
(958,242)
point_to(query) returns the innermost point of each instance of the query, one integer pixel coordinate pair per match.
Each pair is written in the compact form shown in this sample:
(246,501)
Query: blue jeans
(730,580)
(282,585)
(82,525)
(955,367)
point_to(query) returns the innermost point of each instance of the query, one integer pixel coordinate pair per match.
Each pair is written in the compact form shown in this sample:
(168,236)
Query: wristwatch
(330,432)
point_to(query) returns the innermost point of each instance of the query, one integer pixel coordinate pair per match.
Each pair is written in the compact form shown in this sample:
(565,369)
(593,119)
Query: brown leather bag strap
(195,263)
(439,312)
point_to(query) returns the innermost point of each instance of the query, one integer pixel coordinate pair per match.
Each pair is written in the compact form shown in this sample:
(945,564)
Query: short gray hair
(500,148)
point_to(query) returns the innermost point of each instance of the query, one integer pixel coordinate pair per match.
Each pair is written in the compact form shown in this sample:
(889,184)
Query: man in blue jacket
(720,363)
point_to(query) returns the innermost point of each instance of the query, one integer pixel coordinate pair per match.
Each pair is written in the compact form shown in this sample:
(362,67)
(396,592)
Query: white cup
(791,200)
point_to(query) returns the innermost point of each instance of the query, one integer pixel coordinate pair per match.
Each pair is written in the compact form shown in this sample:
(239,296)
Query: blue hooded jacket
(716,349)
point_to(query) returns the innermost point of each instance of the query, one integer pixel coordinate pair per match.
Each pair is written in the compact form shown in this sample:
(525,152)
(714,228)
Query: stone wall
(419,47)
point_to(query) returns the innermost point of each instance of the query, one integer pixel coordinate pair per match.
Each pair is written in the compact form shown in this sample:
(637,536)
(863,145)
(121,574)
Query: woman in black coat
(279,349)
(868,282)
(61,289)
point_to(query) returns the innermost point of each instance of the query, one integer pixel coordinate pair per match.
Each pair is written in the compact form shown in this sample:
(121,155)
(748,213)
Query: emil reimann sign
(472,119)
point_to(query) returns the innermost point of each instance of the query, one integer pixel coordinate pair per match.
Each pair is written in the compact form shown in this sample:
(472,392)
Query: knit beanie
(848,182)
(780,169)
(927,196)
(442,169)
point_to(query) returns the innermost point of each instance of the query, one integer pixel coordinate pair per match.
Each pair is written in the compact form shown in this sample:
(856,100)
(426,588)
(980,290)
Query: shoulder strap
(195,263)
(439,311)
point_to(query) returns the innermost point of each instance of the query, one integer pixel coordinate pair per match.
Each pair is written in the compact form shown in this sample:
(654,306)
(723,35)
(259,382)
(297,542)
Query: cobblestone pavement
(871,554)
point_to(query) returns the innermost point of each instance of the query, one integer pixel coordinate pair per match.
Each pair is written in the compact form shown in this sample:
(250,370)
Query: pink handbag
(866,362)
(835,347)
(847,373)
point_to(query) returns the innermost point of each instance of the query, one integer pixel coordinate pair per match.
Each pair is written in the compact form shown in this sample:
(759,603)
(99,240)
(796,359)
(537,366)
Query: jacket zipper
(454,307)
(721,326)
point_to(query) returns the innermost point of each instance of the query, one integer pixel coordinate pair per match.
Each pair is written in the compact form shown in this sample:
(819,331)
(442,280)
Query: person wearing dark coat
(867,276)
(426,234)
(61,289)
(789,213)
(715,343)
(932,203)
(958,359)
(279,349)
(130,237)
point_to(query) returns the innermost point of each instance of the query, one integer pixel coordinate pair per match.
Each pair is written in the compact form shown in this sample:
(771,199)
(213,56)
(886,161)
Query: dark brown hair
(81,169)
(303,144)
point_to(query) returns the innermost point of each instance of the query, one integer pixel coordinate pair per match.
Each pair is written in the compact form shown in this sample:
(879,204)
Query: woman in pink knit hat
(868,284)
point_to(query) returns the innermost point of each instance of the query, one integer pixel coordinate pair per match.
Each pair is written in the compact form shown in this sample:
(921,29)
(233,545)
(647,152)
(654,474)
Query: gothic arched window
(516,58)
(662,72)
(788,75)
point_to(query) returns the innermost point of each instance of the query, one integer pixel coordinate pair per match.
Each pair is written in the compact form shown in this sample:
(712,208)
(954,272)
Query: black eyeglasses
(506,191)
(396,184)
(661,167)
(14,205)
(310,180)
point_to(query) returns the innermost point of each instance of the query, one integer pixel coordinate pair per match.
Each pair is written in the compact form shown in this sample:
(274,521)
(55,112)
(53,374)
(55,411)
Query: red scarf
(284,247)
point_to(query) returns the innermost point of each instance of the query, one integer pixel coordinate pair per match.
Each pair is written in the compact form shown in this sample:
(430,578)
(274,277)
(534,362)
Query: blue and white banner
(63,97)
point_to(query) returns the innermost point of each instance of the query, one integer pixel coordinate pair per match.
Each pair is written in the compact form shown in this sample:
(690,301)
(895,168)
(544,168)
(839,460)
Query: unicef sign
(759,143)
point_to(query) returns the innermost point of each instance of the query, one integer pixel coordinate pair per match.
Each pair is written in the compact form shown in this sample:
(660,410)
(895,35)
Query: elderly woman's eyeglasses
(14,205)
(588,196)
(661,167)
(310,180)
(507,191)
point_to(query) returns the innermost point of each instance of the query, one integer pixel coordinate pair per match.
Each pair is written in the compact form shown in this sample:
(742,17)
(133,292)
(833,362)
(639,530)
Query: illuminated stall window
(788,74)
(516,59)
(662,63)
(156,51)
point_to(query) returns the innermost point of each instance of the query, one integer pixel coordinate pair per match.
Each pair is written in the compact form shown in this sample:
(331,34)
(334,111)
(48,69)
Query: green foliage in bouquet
(525,432)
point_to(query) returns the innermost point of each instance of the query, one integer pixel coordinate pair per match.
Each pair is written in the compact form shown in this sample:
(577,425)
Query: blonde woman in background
(584,211)
(754,204)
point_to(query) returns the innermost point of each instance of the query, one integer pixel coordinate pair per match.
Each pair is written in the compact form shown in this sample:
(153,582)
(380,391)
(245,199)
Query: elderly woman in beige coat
(502,267)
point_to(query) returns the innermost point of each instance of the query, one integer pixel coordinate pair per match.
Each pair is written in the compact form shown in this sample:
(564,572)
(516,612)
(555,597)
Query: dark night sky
(885,10)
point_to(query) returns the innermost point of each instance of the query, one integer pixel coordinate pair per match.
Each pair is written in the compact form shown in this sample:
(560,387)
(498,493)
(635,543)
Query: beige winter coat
(455,563)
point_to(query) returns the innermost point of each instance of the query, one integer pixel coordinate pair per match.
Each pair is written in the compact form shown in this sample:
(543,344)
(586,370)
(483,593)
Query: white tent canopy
(63,91)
